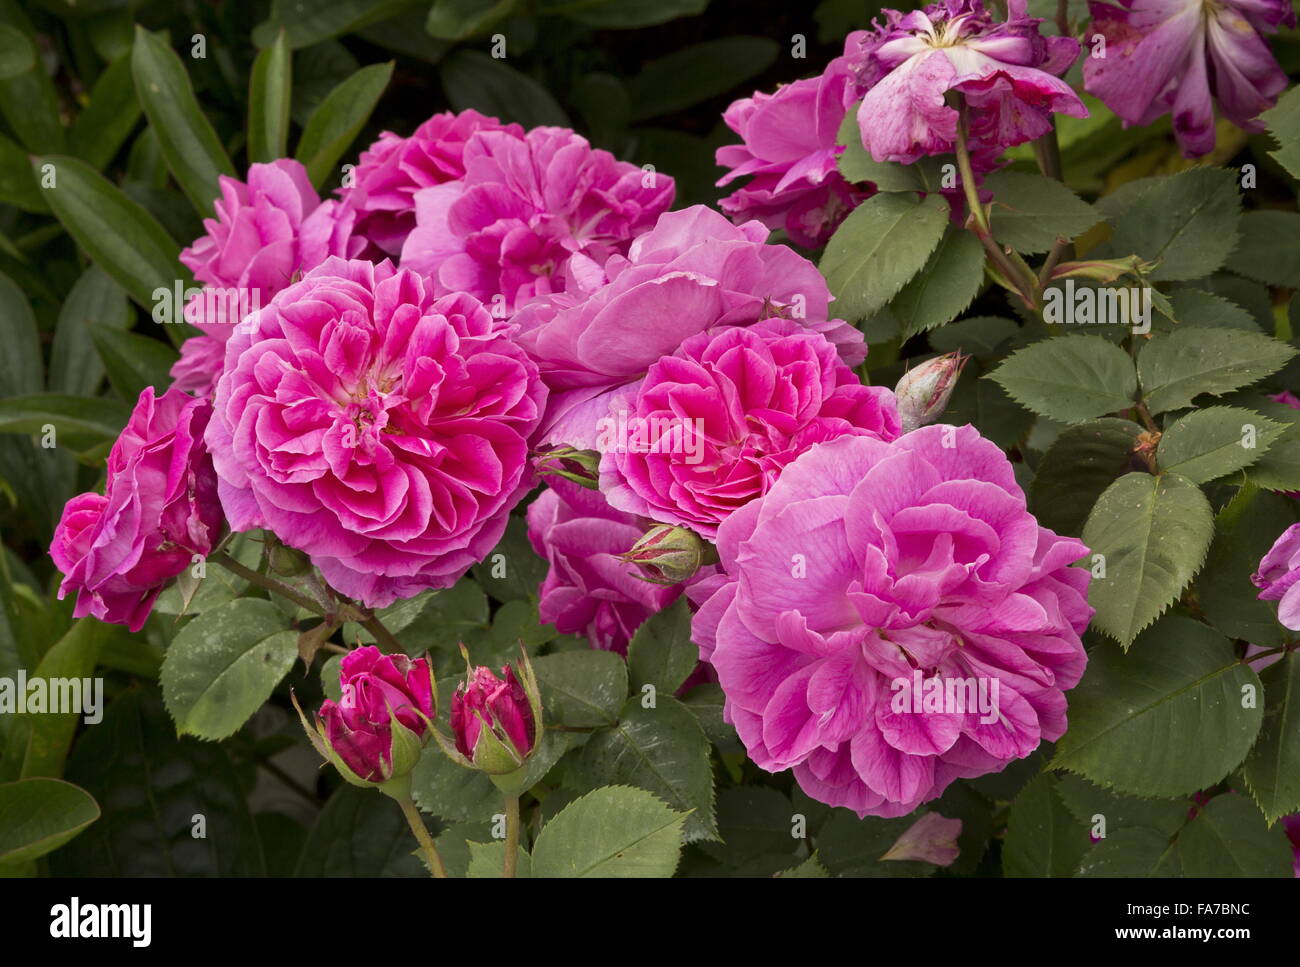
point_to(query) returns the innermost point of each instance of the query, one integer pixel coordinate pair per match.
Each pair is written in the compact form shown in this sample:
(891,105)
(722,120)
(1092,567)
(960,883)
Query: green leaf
(809,869)
(624,14)
(1284,124)
(986,405)
(1272,770)
(1043,838)
(487,861)
(37,816)
(1087,802)
(1269,248)
(462,19)
(1279,468)
(224,664)
(883,243)
(73,415)
(17,53)
(335,124)
(1213,442)
(190,147)
(945,287)
(857,165)
(1188,221)
(1197,308)
(437,620)
(123,239)
(979,336)
(612,832)
(360,833)
(95,302)
(134,361)
(270,90)
(661,652)
(1230,838)
(1177,696)
(849,846)
(753,821)
(1069,378)
(27,97)
(1137,851)
(1030,212)
(18,186)
(22,370)
(1177,367)
(102,128)
(513,571)
(582,689)
(472,79)
(1077,468)
(698,72)
(307,24)
(660,749)
(1152,533)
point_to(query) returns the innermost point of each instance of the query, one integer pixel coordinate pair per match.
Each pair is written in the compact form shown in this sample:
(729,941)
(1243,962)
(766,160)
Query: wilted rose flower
(589,590)
(893,619)
(380,430)
(924,390)
(532,216)
(393,169)
(788,150)
(158,512)
(711,427)
(1180,57)
(693,271)
(493,721)
(931,839)
(1005,71)
(380,693)
(1278,574)
(199,367)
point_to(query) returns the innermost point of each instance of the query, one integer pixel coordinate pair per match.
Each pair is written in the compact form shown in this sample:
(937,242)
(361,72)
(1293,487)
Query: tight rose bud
(492,721)
(580,466)
(374,734)
(667,555)
(923,392)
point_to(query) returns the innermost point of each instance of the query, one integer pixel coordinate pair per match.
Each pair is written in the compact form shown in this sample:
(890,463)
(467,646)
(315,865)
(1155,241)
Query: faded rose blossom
(199,367)
(692,272)
(380,693)
(532,216)
(1006,72)
(788,151)
(924,390)
(1182,57)
(711,426)
(1278,574)
(379,429)
(492,721)
(394,168)
(158,512)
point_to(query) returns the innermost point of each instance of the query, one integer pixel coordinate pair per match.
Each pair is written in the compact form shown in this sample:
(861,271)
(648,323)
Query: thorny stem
(422,837)
(512,836)
(266,581)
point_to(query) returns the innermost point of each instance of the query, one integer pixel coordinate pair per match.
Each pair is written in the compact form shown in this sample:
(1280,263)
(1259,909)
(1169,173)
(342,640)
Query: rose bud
(495,722)
(374,734)
(923,392)
(580,466)
(667,555)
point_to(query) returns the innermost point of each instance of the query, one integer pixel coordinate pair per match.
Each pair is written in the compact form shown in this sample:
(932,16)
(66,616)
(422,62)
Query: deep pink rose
(359,728)
(377,428)
(500,703)
(1181,57)
(532,216)
(588,590)
(199,367)
(159,510)
(788,149)
(1292,826)
(1278,576)
(711,427)
(693,271)
(393,169)
(873,568)
(1006,72)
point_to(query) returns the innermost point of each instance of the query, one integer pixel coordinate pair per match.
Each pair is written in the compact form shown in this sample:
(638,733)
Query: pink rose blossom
(159,510)
(1181,57)
(872,566)
(393,169)
(532,216)
(711,427)
(199,367)
(693,271)
(1005,71)
(380,430)
(1278,576)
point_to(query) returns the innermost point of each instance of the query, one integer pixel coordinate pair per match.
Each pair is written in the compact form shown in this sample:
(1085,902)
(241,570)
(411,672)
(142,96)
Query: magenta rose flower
(377,428)
(711,427)
(874,577)
(158,512)
(1292,826)
(199,367)
(265,233)
(1006,72)
(788,151)
(1181,57)
(499,705)
(393,169)
(1278,574)
(693,271)
(589,590)
(531,216)
(377,689)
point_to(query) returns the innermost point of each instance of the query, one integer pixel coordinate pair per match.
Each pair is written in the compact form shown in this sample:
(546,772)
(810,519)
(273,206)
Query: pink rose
(158,512)
(532,216)
(711,427)
(379,429)
(393,169)
(199,367)
(1278,577)
(693,271)
(874,577)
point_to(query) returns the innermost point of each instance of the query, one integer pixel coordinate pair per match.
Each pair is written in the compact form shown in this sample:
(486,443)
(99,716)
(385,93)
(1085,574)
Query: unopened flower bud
(580,466)
(496,722)
(667,555)
(923,392)
(287,561)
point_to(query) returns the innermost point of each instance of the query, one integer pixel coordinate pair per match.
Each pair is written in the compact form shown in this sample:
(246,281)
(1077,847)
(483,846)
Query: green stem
(386,640)
(512,836)
(422,837)
(265,581)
